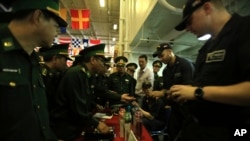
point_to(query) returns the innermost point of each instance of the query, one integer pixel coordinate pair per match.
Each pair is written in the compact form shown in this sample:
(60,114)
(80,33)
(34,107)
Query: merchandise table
(114,122)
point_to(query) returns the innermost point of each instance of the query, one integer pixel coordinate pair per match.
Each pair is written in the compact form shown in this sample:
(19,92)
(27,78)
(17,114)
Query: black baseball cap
(189,8)
(160,48)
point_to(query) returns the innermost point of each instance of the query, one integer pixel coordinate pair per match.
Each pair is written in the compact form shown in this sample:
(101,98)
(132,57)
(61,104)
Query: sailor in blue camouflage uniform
(219,98)
(23,109)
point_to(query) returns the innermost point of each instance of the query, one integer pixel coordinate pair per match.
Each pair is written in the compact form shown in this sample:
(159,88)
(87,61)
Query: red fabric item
(114,121)
(94,42)
(80,18)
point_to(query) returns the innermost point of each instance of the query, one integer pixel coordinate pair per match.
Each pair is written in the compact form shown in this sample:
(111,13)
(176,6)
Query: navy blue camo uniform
(223,61)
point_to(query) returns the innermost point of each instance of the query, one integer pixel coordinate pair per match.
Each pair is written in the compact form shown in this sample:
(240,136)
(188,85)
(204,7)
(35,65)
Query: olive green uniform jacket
(121,84)
(72,111)
(23,104)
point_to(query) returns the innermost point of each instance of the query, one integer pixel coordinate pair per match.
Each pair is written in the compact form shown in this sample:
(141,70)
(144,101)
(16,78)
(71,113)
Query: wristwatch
(198,93)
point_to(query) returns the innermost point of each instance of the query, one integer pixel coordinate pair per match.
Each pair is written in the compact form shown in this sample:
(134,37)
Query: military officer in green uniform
(120,81)
(101,86)
(103,94)
(158,81)
(54,65)
(72,112)
(131,68)
(23,110)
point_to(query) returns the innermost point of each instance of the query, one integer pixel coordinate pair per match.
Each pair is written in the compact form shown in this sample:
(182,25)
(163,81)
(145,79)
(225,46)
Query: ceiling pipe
(170,7)
(175,42)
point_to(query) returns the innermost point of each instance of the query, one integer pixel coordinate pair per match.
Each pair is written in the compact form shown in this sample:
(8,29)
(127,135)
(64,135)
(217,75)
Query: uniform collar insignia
(8,44)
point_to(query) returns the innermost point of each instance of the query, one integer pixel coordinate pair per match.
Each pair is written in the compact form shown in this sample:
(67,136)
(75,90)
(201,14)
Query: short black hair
(144,56)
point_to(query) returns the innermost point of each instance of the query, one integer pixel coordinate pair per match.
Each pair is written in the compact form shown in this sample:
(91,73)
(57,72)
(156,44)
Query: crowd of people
(42,99)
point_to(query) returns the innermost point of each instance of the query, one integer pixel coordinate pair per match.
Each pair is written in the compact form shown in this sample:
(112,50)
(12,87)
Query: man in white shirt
(143,74)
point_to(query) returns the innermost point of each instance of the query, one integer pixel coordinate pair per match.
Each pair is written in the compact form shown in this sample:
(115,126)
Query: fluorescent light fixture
(102,3)
(204,37)
(115,26)
(114,39)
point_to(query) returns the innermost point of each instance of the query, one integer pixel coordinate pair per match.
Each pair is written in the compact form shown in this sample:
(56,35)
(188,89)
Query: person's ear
(54,58)
(37,16)
(207,7)
(92,59)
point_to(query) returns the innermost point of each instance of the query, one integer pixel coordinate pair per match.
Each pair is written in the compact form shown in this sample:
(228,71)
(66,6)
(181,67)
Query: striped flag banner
(64,39)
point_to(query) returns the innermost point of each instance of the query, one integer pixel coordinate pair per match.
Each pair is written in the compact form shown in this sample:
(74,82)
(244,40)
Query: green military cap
(107,61)
(121,60)
(51,6)
(157,63)
(59,49)
(132,66)
(160,48)
(92,51)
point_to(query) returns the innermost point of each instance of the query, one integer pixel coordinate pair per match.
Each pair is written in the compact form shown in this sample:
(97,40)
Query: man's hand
(182,93)
(127,98)
(156,93)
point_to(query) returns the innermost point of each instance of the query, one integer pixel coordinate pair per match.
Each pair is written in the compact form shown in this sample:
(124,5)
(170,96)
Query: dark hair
(146,85)
(144,56)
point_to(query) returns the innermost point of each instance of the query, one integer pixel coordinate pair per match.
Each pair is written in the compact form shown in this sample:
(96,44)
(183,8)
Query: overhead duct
(170,7)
